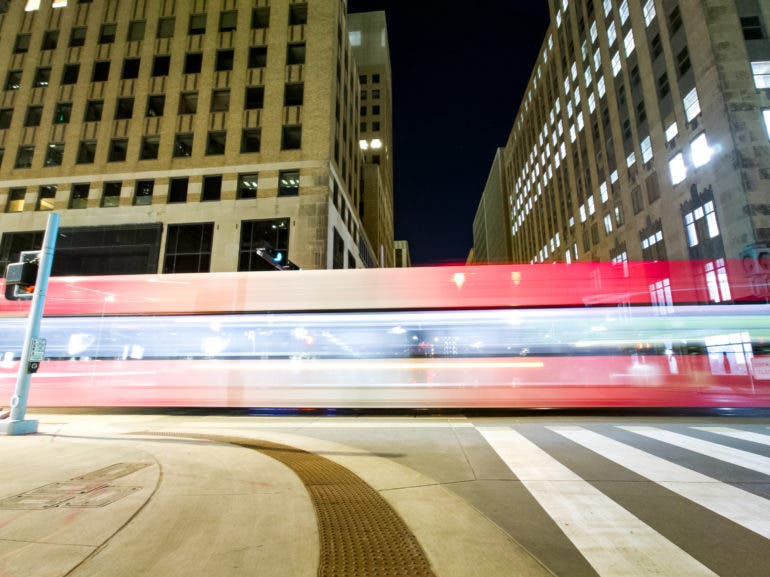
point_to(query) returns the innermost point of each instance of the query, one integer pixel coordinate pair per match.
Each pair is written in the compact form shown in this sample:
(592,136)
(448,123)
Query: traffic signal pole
(16,424)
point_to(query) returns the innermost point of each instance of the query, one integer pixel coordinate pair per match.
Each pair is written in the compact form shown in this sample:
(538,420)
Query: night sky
(459,72)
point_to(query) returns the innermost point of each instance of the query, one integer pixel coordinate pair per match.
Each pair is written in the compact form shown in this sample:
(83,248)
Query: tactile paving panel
(360,533)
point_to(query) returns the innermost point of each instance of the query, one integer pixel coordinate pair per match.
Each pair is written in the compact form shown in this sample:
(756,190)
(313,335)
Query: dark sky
(459,72)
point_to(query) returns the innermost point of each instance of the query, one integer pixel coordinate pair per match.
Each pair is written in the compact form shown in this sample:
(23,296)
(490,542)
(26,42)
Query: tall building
(491,241)
(369,41)
(180,136)
(403,255)
(644,134)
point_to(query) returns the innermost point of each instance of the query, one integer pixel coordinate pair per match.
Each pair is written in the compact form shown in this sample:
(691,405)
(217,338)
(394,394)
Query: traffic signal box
(20,277)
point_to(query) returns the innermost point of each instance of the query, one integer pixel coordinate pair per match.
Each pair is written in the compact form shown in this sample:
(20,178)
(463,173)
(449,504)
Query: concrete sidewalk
(96,495)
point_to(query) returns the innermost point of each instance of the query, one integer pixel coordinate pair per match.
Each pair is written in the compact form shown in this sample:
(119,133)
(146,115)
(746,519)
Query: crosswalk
(618,535)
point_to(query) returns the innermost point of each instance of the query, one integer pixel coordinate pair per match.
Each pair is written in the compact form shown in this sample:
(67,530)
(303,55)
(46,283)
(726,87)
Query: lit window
(623,11)
(594,31)
(766,116)
(691,105)
(613,177)
(572,133)
(376,143)
(646,147)
(677,169)
(611,34)
(692,233)
(716,280)
(601,87)
(580,122)
(587,76)
(597,60)
(363,144)
(649,12)
(607,7)
(672,131)
(591,103)
(574,71)
(761,71)
(591,205)
(603,192)
(631,160)
(629,43)
(583,213)
(558,18)
(616,63)
(607,223)
(700,152)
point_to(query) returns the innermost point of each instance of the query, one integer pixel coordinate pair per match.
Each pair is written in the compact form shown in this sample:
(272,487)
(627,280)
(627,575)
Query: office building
(491,241)
(644,134)
(180,136)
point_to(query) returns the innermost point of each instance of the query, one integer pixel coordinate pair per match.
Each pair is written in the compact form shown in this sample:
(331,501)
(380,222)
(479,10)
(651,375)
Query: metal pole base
(25,427)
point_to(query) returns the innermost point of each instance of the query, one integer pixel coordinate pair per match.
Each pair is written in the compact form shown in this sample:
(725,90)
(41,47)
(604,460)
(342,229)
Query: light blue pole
(16,424)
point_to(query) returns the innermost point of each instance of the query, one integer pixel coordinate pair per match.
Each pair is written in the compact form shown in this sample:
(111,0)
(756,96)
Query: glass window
(260,17)
(42,77)
(86,152)
(677,169)
(224,60)
(251,139)
(94,110)
(295,53)
(51,39)
(691,105)
(183,145)
(293,94)
(136,30)
(220,100)
(130,68)
(101,71)
(24,156)
(34,114)
(46,198)
(188,248)
(13,80)
(766,117)
(150,146)
(54,153)
(700,151)
(248,185)
(212,188)
(16,200)
(752,28)
(107,33)
(297,14)
(79,196)
(62,112)
(197,24)
(177,190)
(188,103)
(215,143)
(291,137)
(124,108)
(70,74)
(255,97)
(143,192)
(118,149)
(5,117)
(22,43)
(166,27)
(155,105)
(761,72)
(288,183)
(228,21)
(257,56)
(193,62)
(259,234)
(111,194)
(78,36)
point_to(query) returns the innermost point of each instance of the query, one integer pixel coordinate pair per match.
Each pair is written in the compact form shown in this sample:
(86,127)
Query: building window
(247,185)
(212,188)
(155,105)
(717,280)
(130,68)
(701,223)
(54,153)
(256,234)
(22,43)
(183,145)
(150,146)
(683,61)
(752,28)
(197,24)
(107,33)
(46,198)
(637,201)
(228,21)
(656,47)
(220,100)
(193,62)
(86,152)
(136,31)
(24,156)
(691,105)
(13,80)
(34,114)
(177,190)
(766,117)
(188,103)
(16,200)
(251,139)
(188,248)
(224,60)
(293,94)
(5,117)
(291,138)
(79,196)
(42,77)
(161,65)
(215,143)
(653,247)
(761,72)
(118,150)
(700,151)
(51,39)
(70,74)
(101,71)
(295,53)
(257,56)
(143,192)
(124,109)
(255,97)
(297,14)
(94,110)
(111,194)
(663,86)
(61,113)
(288,183)
(166,27)
(674,21)
(338,251)
(375,78)
(260,17)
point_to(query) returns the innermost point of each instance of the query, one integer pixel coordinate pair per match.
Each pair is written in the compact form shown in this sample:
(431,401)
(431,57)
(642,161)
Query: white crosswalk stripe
(613,541)
(737,434)
(730,455)
(742,507)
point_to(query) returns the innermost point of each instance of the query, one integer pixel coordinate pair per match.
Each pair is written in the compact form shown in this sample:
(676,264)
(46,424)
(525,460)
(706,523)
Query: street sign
(38,350)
